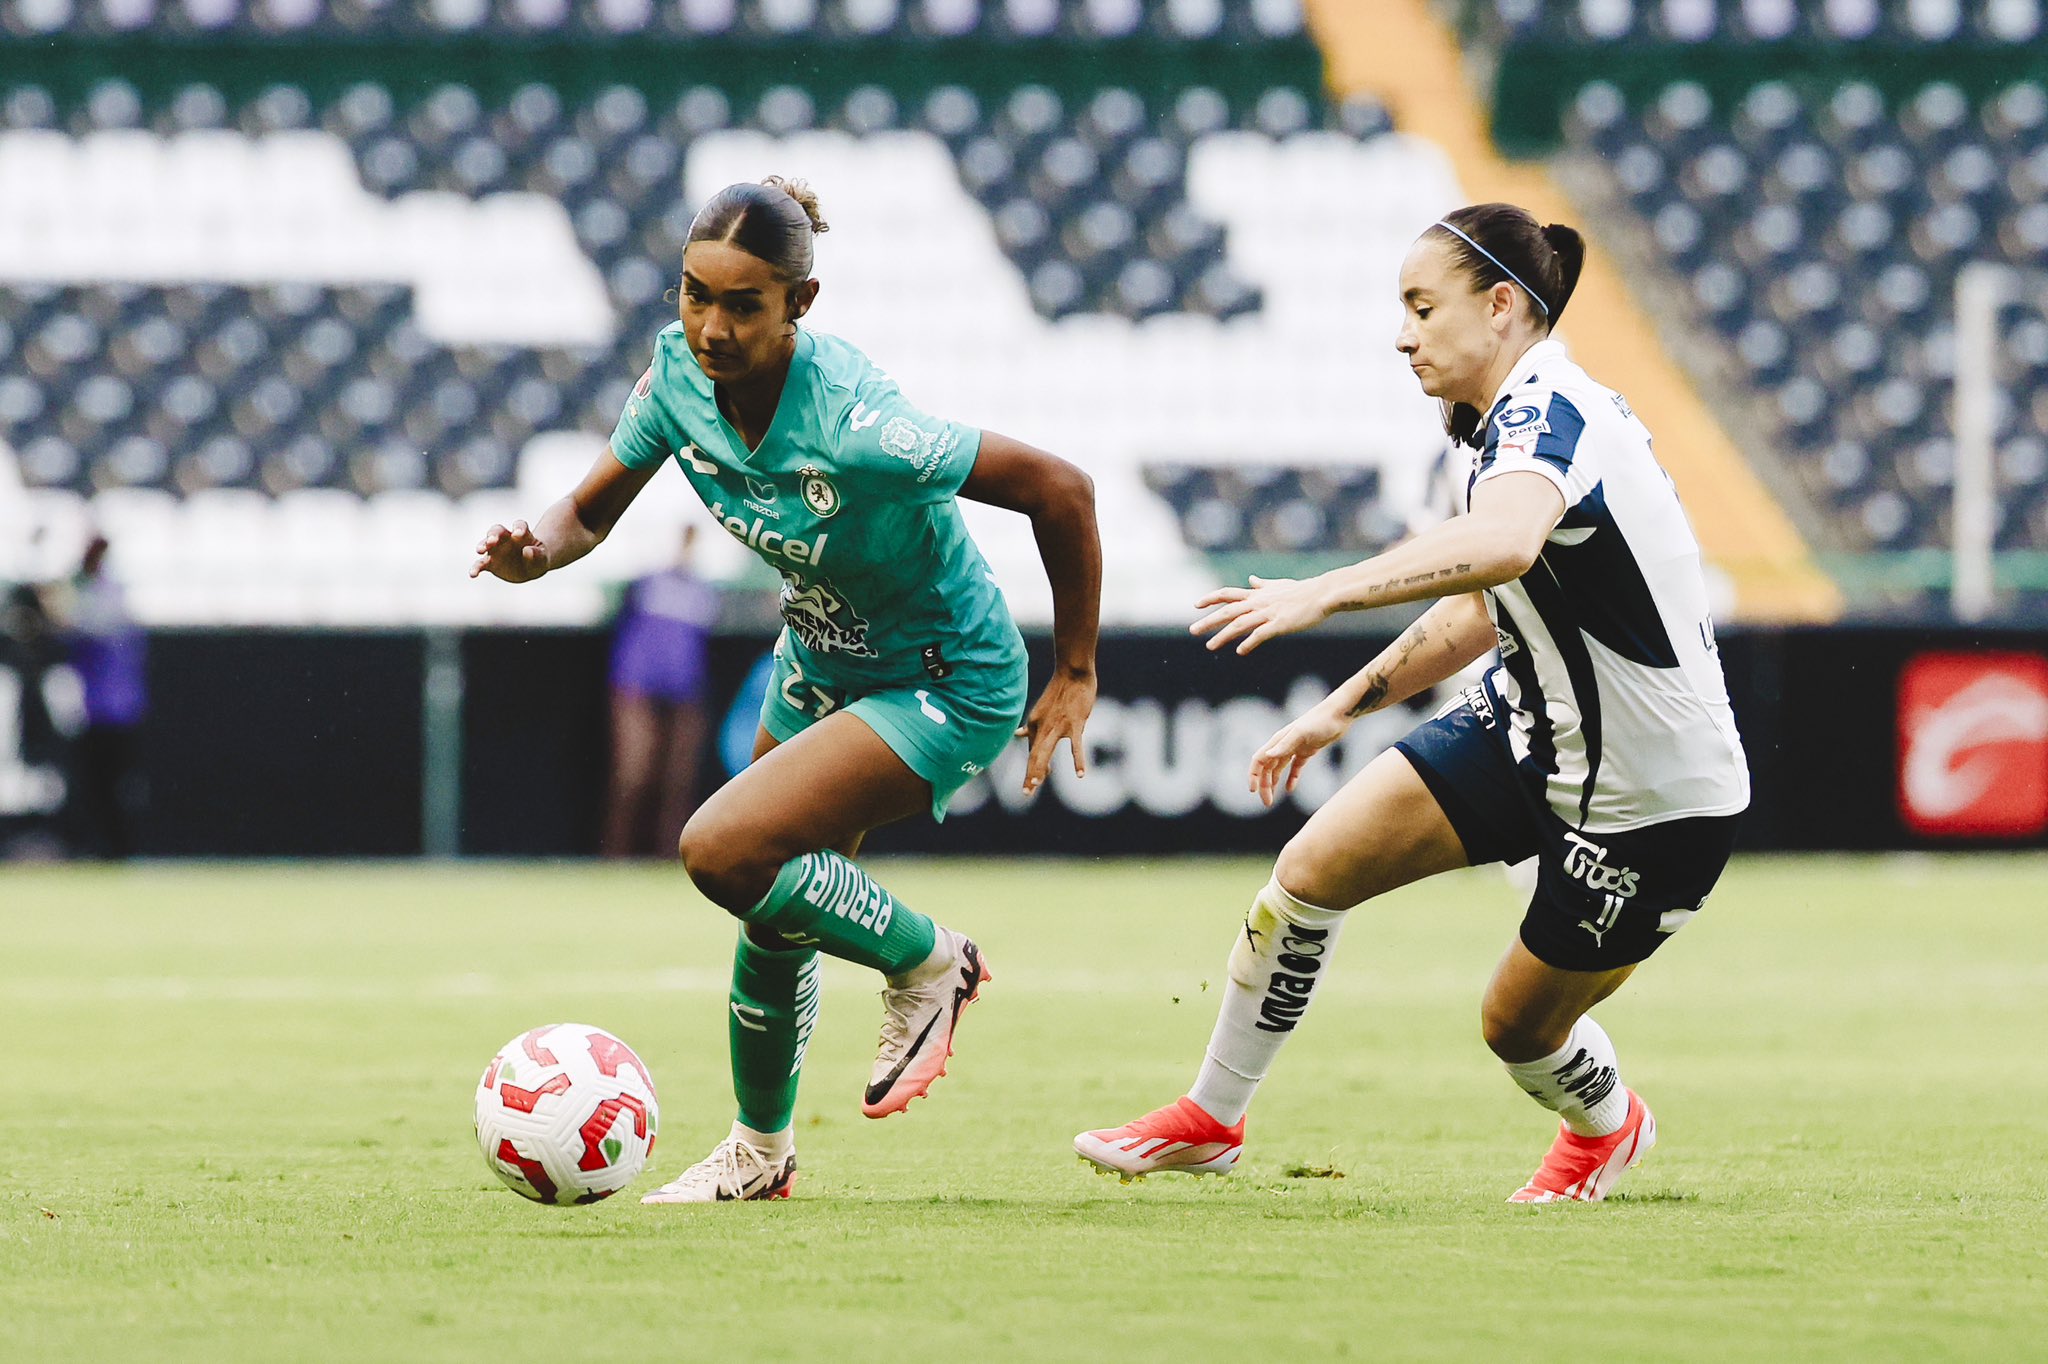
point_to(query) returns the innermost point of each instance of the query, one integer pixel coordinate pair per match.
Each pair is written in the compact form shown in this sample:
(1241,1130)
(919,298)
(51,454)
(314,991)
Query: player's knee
(1515,1035)
(1303,874)
(722,863)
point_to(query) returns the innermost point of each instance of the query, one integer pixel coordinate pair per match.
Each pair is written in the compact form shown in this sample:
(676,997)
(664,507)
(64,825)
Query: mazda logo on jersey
(1973,744)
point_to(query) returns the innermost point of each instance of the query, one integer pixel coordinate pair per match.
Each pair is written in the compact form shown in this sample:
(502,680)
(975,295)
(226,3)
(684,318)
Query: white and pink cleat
(1586,1169)
(1179,1137)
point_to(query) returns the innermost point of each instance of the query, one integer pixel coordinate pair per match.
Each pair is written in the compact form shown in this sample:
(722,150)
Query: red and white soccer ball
(566,1113)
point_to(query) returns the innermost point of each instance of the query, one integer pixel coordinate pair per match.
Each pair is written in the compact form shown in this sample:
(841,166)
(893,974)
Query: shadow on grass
(1655,1196)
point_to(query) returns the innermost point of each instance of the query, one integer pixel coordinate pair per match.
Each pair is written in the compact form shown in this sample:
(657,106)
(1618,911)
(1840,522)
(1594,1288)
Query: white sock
(1281,954)
(773,1145)
(1581,1083)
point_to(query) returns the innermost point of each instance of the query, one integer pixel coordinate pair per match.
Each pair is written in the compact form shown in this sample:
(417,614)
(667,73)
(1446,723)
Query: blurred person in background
(37,720)
(110,654)
(659,657)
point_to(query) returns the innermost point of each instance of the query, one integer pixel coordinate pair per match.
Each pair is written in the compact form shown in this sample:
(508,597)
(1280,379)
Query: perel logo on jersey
(757,537)
(1519,428)
(1973,744)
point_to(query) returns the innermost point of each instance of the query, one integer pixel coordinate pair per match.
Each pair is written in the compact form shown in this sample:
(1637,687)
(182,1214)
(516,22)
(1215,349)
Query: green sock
(821,899)
(774,1007)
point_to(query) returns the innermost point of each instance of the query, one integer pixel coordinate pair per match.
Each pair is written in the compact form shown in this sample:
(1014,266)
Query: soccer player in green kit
(899,673)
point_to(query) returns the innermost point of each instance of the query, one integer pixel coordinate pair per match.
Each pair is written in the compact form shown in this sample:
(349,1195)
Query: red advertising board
(1973,744)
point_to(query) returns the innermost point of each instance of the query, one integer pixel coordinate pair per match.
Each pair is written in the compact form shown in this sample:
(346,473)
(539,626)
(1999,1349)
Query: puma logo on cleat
(1288,989)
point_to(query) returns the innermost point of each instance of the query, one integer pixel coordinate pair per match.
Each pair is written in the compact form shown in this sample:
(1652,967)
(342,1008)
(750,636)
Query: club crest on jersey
(819,494)
(926,450)
(902,438)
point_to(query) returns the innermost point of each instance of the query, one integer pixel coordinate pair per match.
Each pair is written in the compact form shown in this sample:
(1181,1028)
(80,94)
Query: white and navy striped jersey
(1608,672)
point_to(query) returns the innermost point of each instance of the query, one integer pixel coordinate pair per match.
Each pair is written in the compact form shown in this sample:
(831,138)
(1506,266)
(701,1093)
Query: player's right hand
(1292,747)
(510,552)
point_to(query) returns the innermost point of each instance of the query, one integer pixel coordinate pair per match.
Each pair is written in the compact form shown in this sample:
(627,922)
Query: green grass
(234,1124)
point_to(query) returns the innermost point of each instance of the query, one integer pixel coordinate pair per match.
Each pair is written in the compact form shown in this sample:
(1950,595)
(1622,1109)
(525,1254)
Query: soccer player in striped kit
(1603,743)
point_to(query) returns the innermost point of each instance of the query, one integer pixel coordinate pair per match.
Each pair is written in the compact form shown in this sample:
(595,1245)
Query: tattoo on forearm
(1377,685)
(1416,579)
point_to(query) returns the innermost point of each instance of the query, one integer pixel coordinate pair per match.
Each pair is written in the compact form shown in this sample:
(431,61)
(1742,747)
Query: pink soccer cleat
(1586,1169)
(1181,1136)
(918,1019)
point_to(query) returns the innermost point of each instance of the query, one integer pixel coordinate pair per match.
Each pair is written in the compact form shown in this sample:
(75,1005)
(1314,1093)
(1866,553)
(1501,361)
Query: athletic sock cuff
(784,889)
(1294,909)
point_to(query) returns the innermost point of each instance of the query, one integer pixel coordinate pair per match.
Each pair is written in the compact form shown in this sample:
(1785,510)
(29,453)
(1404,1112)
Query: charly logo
(818,493)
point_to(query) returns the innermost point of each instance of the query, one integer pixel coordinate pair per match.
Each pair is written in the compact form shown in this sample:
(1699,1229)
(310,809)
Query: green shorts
(946,730)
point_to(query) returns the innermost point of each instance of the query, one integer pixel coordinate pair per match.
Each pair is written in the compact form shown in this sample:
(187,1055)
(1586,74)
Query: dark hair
(775,220)
(1504,244)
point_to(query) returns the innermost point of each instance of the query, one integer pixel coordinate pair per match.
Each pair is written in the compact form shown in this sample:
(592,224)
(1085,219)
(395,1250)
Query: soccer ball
(566,1113)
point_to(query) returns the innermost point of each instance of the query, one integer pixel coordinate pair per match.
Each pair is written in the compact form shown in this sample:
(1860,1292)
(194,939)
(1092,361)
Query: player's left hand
(1061,713)
(1252,615)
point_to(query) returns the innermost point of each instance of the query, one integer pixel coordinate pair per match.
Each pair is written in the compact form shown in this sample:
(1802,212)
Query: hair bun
(805,196)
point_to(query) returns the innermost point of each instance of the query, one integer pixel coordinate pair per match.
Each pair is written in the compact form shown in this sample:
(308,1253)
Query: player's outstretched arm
(1060,500)
(567,530)
(1443,639)
(1496,542)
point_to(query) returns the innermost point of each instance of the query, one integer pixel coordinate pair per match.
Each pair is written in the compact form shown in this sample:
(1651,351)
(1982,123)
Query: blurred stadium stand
(1806,180)
(280,275)
(243,320)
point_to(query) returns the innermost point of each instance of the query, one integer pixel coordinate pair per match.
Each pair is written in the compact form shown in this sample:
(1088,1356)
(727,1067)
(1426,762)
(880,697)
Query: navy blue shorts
(1601,901)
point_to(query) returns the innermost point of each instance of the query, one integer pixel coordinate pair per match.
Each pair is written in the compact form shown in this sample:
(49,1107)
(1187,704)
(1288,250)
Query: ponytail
(1569,250)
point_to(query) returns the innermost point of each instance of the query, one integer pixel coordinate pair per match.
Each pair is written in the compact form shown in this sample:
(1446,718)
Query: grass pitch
(236,1117)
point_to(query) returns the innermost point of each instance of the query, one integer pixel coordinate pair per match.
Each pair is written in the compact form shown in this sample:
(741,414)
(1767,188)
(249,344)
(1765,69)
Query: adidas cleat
(1179,1137)
(918,1019)
(734,1172)
(1586,1169)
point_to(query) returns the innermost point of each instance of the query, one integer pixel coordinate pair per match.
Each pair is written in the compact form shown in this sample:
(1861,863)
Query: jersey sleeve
(883,437)
(647,432)
(1546,440)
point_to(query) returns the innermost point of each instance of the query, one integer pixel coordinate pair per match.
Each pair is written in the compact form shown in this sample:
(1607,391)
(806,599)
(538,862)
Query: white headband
(1496,260)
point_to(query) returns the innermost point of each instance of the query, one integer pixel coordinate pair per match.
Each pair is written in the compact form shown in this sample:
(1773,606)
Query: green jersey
(850,497)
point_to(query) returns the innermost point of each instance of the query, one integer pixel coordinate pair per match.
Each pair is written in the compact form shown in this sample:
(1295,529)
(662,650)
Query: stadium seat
(1821,232)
